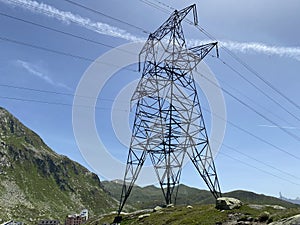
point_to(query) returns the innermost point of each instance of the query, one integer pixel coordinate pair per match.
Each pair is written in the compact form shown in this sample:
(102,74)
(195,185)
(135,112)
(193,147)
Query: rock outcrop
(294,220)
(226,203)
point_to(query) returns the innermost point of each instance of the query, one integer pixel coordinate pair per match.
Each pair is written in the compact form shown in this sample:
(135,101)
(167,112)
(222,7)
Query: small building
(84,214)
(77,219)
(74,220)
(49,222)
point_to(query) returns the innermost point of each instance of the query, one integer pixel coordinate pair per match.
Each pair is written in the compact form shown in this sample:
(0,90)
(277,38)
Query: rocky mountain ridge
(37,183)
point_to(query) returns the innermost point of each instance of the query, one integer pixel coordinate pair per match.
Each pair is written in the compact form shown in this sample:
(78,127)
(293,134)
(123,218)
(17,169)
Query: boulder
(278,207)
(225,203)
(170,206)
(264,216)
(157,209)
(143,216)
(294,220)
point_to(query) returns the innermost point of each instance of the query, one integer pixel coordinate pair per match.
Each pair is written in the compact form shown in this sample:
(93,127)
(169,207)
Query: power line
(253,71)
(165,10)
(60,52)
(109,46)
(249,68)
(53,92)
(55,52)
(102,108)
(80,57)
(254,102)
(61,32)
(237,99)
(261,170)
(105,15)
(254,110)
(259,161)
(154,6)
(95,42)
(238,59)
(57,103)
(111,100)
(252,135)
(168,6)
(259,89)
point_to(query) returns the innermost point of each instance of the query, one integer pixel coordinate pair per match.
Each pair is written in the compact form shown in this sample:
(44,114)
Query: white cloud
(255,47)
(68,17)
(246,47)
(106,29)
(283,127)
(34,70)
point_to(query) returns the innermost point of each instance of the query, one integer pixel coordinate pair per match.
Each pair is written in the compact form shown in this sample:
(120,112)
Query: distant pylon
(168,122)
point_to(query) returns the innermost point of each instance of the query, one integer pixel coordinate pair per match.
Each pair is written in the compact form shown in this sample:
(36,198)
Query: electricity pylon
(168,122)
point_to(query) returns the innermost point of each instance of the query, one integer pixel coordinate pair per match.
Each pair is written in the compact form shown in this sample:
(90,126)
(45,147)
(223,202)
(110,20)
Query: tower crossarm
(202,50)
(176,17)
(167,27)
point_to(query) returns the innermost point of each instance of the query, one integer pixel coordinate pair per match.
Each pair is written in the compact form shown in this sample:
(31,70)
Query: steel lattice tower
(168,122)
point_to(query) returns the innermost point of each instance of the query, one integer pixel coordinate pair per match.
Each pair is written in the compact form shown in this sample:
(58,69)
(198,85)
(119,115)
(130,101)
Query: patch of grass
(199,215)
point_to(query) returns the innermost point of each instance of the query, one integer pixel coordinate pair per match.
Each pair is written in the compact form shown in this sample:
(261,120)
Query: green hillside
(202,215)
(151,196)
(36,183)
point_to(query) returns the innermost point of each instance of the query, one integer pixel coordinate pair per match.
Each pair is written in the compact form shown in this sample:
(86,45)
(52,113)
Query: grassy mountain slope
(253,198)
(202,215)
(37,183)
(151,196)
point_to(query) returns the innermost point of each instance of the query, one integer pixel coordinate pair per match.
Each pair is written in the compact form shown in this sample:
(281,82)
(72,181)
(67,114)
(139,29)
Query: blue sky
(262,34)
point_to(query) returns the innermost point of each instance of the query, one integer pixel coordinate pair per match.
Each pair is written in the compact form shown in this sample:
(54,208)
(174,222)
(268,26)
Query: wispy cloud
(256,47)
(34,70)
(283,127)
(106,29)
(246,47)
(68,17)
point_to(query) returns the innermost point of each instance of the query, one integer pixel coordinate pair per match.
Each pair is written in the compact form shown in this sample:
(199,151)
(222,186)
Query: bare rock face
(226,203)
(294,220)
